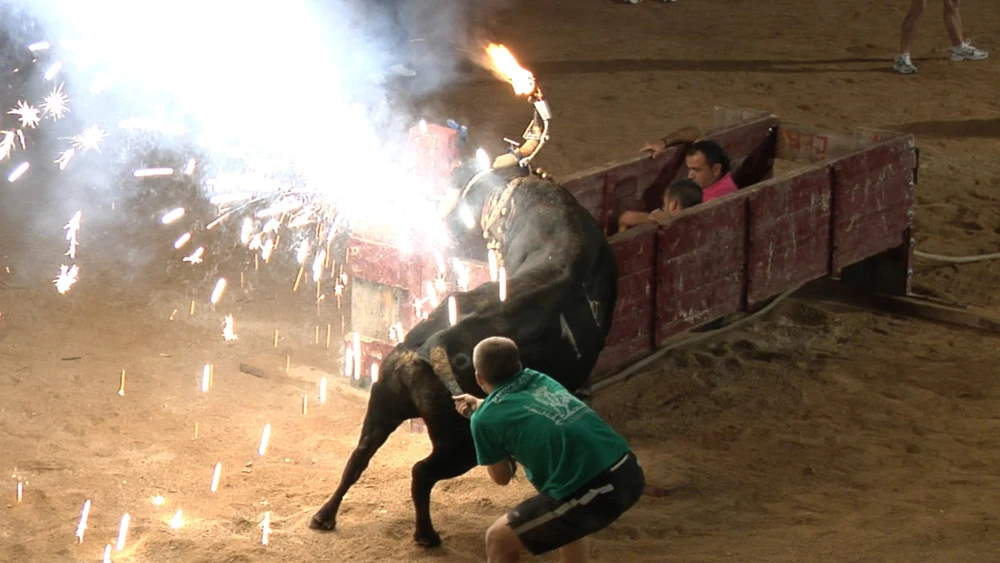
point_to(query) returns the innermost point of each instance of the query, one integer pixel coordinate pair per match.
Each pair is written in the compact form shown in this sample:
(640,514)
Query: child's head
(680,195)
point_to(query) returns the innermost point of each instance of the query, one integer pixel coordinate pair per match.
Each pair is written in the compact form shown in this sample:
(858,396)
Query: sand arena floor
(820,433)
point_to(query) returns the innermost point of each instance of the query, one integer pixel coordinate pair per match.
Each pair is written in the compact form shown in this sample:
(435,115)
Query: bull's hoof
(427,540)
(316,523)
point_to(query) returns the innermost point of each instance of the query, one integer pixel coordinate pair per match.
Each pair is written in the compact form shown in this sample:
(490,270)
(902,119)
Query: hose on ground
(956,259)
(628,372)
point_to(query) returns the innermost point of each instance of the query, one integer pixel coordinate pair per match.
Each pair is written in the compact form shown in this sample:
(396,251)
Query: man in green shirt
(585,473)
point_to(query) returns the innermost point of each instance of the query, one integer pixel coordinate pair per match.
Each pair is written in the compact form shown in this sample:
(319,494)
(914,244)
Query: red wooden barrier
(848,209)
(851,202)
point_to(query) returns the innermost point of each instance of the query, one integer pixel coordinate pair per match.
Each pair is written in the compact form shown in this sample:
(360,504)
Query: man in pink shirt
(708,166)
(707,162)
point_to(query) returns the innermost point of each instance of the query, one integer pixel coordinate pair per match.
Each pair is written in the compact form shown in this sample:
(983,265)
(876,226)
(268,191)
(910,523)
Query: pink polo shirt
(723,186)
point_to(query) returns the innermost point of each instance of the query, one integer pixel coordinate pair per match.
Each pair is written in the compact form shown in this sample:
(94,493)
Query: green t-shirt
(559,440)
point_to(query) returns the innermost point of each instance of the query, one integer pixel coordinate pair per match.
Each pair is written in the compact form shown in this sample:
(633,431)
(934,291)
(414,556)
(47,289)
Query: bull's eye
(462,362)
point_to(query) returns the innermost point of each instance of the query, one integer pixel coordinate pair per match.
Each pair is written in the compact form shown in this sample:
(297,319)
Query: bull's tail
(388,406)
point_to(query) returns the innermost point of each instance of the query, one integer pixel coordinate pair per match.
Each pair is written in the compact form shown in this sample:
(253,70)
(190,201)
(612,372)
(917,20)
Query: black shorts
(543,523)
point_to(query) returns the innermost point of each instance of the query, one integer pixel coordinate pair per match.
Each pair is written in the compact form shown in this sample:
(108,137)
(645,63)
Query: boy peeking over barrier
(680,195)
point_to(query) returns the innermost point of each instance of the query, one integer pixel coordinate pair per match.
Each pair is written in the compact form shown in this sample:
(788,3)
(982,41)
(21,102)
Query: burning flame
(505,65)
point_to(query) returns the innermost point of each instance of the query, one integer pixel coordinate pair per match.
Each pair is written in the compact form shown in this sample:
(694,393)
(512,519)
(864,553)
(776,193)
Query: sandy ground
(821,433)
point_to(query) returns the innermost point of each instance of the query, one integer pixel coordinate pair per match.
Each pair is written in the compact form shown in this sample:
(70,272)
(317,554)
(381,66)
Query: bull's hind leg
(382,418)
(453,454)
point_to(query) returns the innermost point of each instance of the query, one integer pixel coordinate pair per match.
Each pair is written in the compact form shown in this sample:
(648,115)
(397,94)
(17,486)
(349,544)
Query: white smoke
(294,90)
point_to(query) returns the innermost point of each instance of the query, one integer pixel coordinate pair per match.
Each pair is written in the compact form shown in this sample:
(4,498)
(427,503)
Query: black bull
(561,292)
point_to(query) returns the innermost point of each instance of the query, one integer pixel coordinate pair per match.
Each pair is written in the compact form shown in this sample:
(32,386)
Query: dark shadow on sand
(978,128)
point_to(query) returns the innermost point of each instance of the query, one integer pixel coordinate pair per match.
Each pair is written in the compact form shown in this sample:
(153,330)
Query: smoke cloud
(290,92)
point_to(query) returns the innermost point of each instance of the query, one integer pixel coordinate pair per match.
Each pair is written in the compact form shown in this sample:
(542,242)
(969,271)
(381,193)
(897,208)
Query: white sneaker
(402,70)
(966,52)
(903,64)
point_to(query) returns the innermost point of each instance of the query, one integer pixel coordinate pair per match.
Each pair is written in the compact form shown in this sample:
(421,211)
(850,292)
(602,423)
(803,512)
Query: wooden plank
(789,232)
(635,249)
(700,266)
(872,200)
(635,254)
(809,145)
(635,293)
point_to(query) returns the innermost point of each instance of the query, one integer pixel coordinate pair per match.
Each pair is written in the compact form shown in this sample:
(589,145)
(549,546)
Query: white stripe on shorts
(563,509)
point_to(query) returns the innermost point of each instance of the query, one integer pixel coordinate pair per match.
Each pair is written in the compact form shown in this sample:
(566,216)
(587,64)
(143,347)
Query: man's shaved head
(496,359)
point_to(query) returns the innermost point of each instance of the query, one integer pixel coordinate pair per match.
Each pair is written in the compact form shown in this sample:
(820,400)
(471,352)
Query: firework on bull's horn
(503,64)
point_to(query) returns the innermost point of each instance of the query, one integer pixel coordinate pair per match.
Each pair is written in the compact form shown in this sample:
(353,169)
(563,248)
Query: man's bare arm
(501,471)
(682,136)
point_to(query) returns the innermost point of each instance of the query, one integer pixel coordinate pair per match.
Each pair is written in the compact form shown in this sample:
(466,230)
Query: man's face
(699,170)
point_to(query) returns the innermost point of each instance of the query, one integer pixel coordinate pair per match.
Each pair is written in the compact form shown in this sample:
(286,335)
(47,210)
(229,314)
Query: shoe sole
(960,58)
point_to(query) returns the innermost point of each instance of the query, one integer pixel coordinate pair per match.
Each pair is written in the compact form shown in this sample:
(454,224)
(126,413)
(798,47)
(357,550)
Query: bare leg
(502,544)
(576,552)
(910,24)
(953,21)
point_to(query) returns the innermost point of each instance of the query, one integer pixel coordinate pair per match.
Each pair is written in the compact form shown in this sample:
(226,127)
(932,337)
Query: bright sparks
(246,232)
(82,526)
(220,288)
(508,68)
(265,528)
(492,256)
(482,159)
(172,216)
(53,70)
(206,377)
(28,116)
(318,266)
(55,105)
(122,532)
(452,311)
(196,256)
(158,500)
(502,274)
(461,274)
(18,172)
(303,252)
(64,158)
(67,277)
(216,475)
(151,172)
(71,229)
(265,438)
(466,215)
(89,139)
(6,144)
(177,521)
(182,240)
(228,330)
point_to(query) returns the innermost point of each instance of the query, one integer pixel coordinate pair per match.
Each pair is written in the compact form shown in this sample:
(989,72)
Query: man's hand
(656,147)
(466,404)
(682,136)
